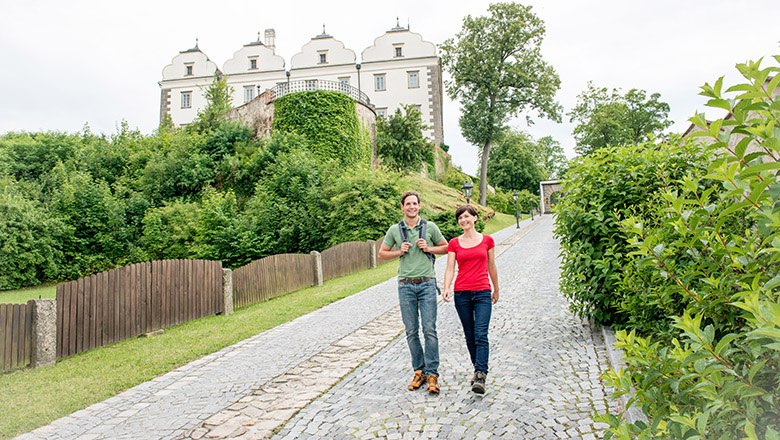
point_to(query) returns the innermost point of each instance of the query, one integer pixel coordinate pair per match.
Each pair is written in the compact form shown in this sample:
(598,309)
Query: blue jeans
(418,303)
(474,308)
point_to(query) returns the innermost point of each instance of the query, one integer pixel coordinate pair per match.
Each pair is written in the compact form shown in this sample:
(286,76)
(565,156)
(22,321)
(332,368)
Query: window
(399,51)
(253,64)
(379,82)
(249,93)
(323,57)
(381,112)
(188,70)
(186,99)
(413,79)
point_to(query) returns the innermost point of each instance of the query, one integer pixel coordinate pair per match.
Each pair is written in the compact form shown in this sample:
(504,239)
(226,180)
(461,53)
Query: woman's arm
(449,274)
(493,272)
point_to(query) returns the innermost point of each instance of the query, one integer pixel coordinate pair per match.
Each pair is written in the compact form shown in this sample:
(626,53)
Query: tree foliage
(515,163)
(498,71)
(608,118)
(218,104)
(400,142)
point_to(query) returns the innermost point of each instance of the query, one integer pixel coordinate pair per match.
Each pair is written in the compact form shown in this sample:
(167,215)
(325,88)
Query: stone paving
(544,380)
(341,372)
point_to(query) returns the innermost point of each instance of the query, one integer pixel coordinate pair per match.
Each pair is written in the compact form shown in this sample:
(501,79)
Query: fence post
(227,291)
(372,254)
(317,267)
(44,332)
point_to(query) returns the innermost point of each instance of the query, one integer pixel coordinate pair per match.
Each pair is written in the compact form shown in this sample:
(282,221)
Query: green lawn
(21,296)
(31,398)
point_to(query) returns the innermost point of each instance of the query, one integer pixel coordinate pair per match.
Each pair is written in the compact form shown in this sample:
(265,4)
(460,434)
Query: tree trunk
(483,175)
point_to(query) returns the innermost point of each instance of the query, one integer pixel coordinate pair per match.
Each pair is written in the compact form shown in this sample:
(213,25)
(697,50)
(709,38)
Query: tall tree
(550,157)
(497,71)
(218,103)
(400,141)
(515,163)
(607,118)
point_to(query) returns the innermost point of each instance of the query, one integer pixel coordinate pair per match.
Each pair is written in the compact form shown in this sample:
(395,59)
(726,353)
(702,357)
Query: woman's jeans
(474,308)
(418,303)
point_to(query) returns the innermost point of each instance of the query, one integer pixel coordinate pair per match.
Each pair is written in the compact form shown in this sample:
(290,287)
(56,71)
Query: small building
(548,195)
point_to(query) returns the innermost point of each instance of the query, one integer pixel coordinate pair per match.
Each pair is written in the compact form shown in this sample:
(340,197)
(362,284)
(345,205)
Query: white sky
(67,63)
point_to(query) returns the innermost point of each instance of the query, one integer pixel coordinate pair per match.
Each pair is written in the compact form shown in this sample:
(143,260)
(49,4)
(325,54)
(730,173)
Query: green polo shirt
(414,263)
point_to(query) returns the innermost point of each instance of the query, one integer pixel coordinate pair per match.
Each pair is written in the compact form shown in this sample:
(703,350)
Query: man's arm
(387,253)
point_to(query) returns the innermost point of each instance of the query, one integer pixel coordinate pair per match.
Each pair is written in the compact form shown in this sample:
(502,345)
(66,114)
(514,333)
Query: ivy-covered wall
(328,120)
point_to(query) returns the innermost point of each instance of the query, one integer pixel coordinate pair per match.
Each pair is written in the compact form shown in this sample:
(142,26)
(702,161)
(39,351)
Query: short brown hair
(409,193)
(463,208)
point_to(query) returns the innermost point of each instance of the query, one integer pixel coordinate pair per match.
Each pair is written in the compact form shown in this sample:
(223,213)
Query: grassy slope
(32,398)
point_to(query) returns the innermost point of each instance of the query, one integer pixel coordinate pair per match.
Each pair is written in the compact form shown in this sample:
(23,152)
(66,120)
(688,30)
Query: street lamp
(517,210)
(287,73)
(467,191)
(532,208)
(357,66)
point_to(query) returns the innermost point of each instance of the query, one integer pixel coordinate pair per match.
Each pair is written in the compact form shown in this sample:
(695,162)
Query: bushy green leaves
(328,120)
(700,280)
(400,142)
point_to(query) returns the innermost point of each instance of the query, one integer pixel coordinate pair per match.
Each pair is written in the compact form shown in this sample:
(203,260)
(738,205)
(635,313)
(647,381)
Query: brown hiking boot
(433,384)
(417,380)
(478,386)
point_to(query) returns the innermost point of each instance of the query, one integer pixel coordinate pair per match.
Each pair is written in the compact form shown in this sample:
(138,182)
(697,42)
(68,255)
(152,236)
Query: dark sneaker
(478,386)
(433,384)
(417,380)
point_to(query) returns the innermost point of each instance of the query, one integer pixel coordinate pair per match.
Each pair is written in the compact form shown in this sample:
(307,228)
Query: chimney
(270,39)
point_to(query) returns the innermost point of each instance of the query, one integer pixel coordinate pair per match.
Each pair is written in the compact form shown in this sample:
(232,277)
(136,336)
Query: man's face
(411,206)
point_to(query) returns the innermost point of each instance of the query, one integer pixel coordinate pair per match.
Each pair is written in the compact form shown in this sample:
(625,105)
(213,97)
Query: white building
(398,69)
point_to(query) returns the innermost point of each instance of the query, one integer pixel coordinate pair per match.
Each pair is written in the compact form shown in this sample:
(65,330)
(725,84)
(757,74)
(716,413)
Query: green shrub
(716,251)
(601,190)
(363,201)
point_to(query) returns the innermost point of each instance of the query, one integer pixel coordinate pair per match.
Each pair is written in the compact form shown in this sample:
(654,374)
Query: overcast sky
(70,63)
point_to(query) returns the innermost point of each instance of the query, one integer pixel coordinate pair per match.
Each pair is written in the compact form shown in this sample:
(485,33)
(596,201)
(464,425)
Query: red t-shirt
(472,264)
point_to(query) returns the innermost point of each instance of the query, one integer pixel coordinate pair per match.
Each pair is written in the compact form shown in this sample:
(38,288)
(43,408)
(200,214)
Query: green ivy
(329,122)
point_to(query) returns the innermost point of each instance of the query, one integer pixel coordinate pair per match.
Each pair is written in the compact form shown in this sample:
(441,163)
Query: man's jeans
(474,308)
(418,302)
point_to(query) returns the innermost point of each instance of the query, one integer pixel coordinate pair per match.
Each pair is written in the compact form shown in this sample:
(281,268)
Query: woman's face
(466,220)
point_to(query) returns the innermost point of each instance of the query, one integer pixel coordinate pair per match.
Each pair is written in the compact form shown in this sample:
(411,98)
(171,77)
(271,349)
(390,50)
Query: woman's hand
(495,296)
(447,295)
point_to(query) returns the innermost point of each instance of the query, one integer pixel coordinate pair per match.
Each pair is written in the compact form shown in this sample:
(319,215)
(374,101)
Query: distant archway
(548,195)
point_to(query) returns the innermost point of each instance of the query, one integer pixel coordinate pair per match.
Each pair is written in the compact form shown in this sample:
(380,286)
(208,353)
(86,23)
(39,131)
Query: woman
(475,256)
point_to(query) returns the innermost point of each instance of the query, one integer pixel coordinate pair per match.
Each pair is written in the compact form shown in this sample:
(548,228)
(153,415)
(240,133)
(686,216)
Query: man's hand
(405,247)
(422,244)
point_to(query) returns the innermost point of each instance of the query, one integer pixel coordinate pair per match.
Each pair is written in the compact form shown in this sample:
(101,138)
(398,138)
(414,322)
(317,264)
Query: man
(417,286)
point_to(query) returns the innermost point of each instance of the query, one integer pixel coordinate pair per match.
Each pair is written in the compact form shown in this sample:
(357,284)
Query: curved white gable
(201,66)
(309,56)
(411,43)
(267,61)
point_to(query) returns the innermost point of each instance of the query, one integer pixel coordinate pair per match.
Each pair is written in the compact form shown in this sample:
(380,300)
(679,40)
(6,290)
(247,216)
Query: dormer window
(253,64)
(188,70)
(399,51)
(323,57)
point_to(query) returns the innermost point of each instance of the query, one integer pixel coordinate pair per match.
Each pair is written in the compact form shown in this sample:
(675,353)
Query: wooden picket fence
(272,276)
(132,300)
(345,258)
(15,335)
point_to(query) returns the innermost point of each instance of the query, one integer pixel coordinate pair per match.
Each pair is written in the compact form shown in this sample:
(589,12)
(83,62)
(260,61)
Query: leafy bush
(504,202)
(714,249)
(29,235)
(602,189)
(363,202)
(400,142)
